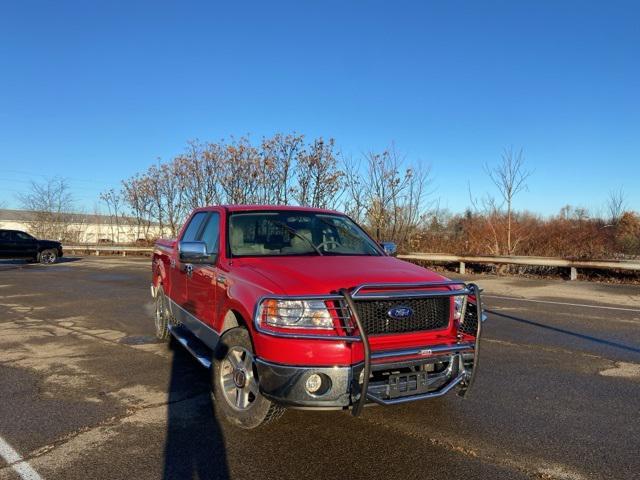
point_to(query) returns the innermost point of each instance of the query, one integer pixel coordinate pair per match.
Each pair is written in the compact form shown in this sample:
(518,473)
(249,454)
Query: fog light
(314,382)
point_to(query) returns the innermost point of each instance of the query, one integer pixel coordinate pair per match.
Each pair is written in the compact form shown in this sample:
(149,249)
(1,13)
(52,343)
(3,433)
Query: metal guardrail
(96,249)
(462,260)
(573,265)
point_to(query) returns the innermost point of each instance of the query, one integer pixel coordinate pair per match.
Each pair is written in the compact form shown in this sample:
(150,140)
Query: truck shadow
(582,336)
(194,446)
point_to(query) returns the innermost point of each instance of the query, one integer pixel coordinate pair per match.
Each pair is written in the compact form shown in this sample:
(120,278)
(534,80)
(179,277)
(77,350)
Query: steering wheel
(328,242)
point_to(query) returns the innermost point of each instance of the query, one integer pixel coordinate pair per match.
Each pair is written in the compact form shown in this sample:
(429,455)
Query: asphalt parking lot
(86,392)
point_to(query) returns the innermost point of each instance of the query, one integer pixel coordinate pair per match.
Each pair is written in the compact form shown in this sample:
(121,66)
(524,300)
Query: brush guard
(408,387)
(461,357)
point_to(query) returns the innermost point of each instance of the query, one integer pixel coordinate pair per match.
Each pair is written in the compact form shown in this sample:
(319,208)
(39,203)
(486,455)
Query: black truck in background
(17,244)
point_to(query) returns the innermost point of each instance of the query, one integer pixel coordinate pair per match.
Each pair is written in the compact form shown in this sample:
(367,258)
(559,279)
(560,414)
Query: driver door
(26,245)
(180,271)
(201,284)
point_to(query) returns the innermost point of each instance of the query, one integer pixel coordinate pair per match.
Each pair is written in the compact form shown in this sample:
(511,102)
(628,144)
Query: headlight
(297,314)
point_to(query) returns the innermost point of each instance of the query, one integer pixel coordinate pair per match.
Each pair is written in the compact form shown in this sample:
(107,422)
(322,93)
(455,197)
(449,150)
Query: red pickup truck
(298,307)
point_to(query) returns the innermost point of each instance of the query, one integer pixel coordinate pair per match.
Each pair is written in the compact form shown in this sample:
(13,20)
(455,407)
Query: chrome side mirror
(195,252)
(389,248)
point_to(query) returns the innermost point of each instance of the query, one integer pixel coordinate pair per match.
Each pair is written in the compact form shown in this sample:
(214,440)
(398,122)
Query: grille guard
(390,291)
(454,375)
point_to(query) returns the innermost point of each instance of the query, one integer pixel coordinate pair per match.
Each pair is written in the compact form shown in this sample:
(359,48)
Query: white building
(79,227)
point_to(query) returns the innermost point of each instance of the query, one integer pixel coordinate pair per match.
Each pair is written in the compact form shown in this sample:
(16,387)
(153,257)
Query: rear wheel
(235,383)
(162,315)
(48,256)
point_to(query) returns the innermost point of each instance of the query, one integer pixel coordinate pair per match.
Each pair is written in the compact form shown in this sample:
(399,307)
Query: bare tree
(279,156)
(114,200)
(155,192)
(510,178)
(356,198)
(386,195)
(616,205)
(199,170)
(240,172)
(569,212)
(487,210)
(51,204)
(281,169)
(137,195)
(160,194)
(171,188)
(318,176)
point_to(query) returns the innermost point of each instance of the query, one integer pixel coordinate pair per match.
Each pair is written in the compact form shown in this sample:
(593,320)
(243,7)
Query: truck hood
(325,274)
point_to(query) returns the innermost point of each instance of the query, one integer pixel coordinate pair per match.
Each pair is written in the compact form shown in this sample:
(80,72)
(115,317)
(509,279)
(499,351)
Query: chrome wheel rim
(47,257)
(239,384)
(160,313)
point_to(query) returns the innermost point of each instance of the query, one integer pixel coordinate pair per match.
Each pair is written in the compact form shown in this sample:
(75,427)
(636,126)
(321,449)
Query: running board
(194,346)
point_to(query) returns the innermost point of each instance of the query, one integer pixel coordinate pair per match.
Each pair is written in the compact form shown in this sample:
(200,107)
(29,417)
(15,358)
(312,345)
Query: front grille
(470,323)
(427,314)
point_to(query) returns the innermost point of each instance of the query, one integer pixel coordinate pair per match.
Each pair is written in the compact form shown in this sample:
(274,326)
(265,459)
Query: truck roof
(242,208)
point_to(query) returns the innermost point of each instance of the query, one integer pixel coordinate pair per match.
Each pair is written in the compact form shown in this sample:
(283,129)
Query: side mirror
(389,248)
(195,252)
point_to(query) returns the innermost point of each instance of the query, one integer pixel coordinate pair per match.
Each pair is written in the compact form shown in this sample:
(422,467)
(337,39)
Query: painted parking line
(551,302)
(16,462)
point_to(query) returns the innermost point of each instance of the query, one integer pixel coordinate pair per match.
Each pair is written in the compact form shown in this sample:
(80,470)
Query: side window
(193,227)
(5,236)
(211,233)
(23,236)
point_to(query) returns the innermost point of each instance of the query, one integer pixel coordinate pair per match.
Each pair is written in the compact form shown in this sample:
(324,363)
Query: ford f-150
(299,307)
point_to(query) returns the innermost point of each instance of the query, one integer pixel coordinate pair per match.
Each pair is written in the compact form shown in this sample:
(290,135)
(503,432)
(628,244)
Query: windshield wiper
(349,234)
(293,231)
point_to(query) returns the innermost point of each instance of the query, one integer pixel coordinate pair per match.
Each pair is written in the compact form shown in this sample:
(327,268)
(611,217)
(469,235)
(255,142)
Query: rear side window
(194,227)
(5,235)
(211,233)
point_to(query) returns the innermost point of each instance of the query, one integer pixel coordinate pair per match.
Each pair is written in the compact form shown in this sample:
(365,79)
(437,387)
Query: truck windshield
(286,233)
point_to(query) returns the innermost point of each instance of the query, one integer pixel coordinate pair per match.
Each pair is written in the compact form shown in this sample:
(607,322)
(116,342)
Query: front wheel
(236,386)
(48,256)
(162,315)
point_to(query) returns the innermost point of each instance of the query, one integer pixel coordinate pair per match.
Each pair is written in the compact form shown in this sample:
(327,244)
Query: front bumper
(394,378)
(384,377)
(285,385)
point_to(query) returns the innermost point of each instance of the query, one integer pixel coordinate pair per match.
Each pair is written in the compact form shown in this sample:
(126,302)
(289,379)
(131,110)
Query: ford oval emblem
(399,313)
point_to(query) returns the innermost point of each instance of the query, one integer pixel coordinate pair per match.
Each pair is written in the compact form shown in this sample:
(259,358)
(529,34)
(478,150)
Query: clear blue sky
(96,91)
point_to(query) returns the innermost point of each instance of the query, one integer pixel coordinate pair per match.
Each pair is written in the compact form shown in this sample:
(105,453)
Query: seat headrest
(300,244)
(236,236)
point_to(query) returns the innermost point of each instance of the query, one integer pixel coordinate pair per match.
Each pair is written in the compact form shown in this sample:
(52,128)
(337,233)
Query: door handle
(221,279)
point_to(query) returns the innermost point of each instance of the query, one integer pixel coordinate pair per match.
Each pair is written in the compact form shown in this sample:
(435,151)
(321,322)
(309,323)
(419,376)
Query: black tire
(258,410)
(48,256)
(162,315)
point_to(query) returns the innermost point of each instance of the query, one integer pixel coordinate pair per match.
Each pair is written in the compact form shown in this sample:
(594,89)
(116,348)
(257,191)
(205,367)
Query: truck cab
(293,307)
